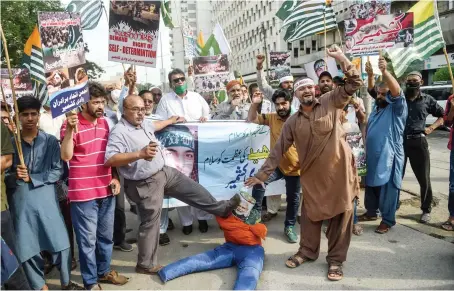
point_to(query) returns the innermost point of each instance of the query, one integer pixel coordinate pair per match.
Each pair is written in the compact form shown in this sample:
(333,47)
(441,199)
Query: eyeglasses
(177,80)
(136,109)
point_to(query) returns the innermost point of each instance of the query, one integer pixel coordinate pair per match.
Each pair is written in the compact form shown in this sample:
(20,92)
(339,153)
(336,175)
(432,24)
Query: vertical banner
(217,156)
(188,40)
(134,32)
(315,68)
(211,73)
(280,67)
(64,59)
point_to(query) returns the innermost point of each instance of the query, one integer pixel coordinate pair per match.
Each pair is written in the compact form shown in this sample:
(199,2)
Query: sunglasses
(177,80)
(156,94)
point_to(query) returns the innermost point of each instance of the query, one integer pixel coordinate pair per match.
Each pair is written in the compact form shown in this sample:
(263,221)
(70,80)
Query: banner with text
(365,9)
(21,80)
(211,65)
(280,67)
(369,36)
(218,155)
(134,32)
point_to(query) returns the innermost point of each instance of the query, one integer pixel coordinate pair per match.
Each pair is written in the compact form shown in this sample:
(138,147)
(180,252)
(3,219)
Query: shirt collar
(301,111)
(128,125)
(84,121)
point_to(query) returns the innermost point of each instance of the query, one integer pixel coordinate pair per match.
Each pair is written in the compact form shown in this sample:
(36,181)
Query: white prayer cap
(286,79)
(303,82)
(154,87)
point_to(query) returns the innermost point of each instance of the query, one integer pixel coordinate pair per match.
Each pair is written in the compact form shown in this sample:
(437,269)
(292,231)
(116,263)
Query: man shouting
(328,176)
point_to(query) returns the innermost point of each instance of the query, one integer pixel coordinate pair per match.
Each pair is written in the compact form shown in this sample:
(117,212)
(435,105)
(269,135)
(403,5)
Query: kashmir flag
(428,37)
(306,18)
(166,14)
(90,12)
(40,92)
(200,43)
(33,57)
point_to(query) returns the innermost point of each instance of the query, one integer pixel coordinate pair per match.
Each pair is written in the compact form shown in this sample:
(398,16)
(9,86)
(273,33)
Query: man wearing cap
(416,148)
(234,108)
(157,95)
(325,82)
(328,176)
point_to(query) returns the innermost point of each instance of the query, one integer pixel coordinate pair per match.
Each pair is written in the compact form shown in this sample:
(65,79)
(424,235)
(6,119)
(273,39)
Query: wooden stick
(449,68)
(13,91)
(124,69)
(9,117)
(381,77)
(326,55)
(340,37)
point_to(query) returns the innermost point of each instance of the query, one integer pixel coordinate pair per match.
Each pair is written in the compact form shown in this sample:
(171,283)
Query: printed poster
(21,80)
(211,83)
(217,156)
(315,68)
(134,32)
(366,9)
(355,141)
(280,67)
(211,65)
(66,78)
(369,36)
(61,40)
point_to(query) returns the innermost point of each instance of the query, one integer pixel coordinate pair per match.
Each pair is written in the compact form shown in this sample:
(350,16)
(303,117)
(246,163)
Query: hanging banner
(211,65)
(369,36)
(315,68)
(134,32)
(66,78)
(217,155)
(61,40)
(211,83)
(280,67)
(366,9)
(21,80)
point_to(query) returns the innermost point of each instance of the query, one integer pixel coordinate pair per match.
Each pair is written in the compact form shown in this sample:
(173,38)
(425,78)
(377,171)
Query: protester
(111,110)
(265,106)
(243,248)
(245,95)
(288,168)
(36,216)
(449,119)
(285,83)
(157,95)
(189,106)
(48,124)
(17,280)
(92,187)
(133,148)
(6,117)
(325,82)
(234,108)
(384,152)
(328,196)
(416,148)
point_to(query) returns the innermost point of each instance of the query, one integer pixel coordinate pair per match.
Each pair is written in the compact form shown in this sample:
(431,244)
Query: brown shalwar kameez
(328,175)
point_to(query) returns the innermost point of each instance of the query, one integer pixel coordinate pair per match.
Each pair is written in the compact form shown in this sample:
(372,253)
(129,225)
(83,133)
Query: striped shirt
(89,179)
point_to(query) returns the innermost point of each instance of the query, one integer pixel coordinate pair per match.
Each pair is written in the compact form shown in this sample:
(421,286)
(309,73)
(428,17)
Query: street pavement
(410,256)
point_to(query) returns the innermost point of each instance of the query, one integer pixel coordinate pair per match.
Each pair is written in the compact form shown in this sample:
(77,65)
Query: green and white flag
(216,44)
(165,13)
(90,12)
(287,9)
(428,38)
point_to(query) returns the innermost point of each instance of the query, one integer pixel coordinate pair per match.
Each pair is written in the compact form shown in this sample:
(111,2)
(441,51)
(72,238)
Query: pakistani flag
(165,13)
(90,12)
(200,44)
(217,43)
(306,18)
(428,37)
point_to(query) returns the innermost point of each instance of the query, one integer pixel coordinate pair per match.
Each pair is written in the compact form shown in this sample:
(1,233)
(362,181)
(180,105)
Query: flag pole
(379,55)
(13,91)
(449,68)
(324,32)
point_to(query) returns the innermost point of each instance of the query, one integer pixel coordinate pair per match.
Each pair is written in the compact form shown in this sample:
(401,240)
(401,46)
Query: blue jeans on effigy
(248,259)
(451,185)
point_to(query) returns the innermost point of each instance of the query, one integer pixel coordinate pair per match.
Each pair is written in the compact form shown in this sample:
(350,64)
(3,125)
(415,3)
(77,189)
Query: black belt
(413,136)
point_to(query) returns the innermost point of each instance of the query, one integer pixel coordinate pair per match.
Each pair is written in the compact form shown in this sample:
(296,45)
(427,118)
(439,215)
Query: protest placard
(21,80)
(280,67)
(315,68)
(365,9)
(369,36)
(211,83)
(218,156)
(134,32)
(211,65)
(61,40)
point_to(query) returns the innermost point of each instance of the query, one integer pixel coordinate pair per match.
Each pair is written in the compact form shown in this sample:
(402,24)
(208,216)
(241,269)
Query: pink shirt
(449,122)
(89,179)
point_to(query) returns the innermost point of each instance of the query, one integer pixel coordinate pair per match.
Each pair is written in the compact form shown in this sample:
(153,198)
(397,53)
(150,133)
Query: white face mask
(115,95)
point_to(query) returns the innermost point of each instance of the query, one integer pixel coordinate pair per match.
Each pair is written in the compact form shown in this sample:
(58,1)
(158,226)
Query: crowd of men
(76,171)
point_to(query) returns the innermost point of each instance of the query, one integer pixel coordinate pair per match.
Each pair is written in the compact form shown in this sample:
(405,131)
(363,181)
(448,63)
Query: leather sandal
(335,273)
(296,260)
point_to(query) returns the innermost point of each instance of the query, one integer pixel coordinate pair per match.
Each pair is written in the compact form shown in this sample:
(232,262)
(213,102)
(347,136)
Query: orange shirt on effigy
(238,232)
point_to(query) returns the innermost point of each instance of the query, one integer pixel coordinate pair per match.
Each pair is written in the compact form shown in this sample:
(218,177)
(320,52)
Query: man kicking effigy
(134,150)
(243,248)
(328,175)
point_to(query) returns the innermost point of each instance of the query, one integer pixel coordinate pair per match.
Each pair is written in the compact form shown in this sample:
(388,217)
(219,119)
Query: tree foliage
(18,18)
(442,74)
(144,86)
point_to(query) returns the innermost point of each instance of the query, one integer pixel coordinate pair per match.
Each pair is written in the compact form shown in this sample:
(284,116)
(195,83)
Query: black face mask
(381,103)
(412,89)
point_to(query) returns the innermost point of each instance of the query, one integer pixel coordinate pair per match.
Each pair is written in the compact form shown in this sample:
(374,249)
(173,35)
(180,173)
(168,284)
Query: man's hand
(174,119)
(235,102)
(202,119)
(355,104)
(252,181)
(382,64)
(72,119)
(428,130)
(256,99)
(369,70)
(335,52)
(260,58)
(22,173)
(115,186)
(130,77)
(148,152)
(181,119)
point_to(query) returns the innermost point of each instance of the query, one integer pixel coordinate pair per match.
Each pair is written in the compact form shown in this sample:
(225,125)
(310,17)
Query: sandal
(296,260)
(382,228)
(448,225)
(335,273)
(358,229)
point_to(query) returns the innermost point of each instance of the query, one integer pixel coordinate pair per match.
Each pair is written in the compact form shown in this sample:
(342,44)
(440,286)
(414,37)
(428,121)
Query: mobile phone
(113,187)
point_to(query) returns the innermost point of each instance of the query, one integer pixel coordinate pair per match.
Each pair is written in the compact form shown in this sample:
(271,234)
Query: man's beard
(381,103)
(325,89)
(308,100)
(283,112)
(411,92)
(94,114)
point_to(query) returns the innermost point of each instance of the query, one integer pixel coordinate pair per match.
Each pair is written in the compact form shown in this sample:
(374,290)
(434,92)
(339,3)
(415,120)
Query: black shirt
(418,110)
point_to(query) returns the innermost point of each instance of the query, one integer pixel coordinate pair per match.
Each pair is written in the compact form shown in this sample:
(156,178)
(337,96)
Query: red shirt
(449,122)
(89,179)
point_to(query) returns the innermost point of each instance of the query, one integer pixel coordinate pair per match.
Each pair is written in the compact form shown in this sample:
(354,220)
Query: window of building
(191,7)
(259,14)
(289,46)
(295,52)
(301,45)
(314,45)
(269,6)
(192,15)
(274,46)
(271,31)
